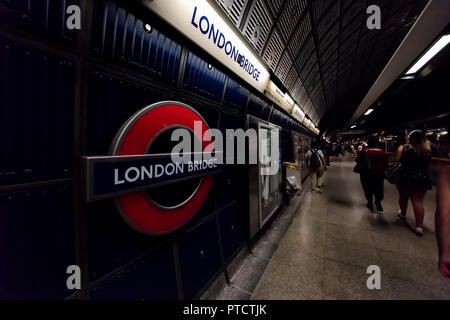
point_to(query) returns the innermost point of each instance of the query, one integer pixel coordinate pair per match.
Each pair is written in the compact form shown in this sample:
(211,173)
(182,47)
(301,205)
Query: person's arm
(442,220)
(324,161)
(307,155)
(398,153)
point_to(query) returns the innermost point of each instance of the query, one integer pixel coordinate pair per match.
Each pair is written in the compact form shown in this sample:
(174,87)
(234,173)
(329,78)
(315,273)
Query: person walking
(414,182)
(442,218)
(373,163)
(317,163)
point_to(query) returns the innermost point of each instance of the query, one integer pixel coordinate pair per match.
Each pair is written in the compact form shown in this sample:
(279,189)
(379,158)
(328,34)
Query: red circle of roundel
(136,208)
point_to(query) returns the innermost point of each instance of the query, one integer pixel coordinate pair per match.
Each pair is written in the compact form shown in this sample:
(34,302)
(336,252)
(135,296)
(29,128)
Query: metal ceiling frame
(324,28)
(433,20)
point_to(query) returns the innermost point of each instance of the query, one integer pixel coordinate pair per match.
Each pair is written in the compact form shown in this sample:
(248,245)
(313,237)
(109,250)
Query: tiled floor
(334,238)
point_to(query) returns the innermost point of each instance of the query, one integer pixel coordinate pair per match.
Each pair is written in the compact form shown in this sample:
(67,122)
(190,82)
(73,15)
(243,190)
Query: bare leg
(320,176)
(403,200)
(314,180)
(419,210)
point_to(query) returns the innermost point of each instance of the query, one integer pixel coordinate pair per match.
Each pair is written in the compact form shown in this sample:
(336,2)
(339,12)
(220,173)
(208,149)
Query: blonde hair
(419,142)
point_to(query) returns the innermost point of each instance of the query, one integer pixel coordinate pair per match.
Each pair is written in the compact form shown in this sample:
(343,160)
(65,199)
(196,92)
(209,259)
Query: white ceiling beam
(432,21)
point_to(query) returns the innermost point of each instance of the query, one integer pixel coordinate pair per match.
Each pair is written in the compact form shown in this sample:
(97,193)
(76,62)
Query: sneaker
(318,190)
(379,207)
(419,231)
(401,216)
(369,206)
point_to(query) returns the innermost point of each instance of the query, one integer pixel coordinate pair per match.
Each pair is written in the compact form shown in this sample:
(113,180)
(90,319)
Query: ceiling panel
(328,20)
(305,53)
(234,9)
(258,25)
(291,78)
(322,50)
(274,49)
(319,8)
(299,36)
(290,16)
(275,6)
(283,67)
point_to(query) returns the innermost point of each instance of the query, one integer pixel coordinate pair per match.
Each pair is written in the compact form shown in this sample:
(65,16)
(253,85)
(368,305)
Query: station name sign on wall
(198,21)
(154,192)
(109,176)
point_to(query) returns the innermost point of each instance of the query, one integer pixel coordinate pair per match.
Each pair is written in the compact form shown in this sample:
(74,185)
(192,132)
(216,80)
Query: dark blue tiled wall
(111,102)
(233,228)
(150,278)
(36,115)
(121,36)
(206,81)
(258,107)
(236,95)
(111,241)
(199,256)
(36,243)
(46,17)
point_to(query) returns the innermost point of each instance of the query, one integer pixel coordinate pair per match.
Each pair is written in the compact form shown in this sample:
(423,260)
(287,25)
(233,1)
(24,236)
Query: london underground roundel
(153,194)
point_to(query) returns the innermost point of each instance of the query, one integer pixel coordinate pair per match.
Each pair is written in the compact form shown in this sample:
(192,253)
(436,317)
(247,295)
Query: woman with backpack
(316,162)
(414,182)
(371,165)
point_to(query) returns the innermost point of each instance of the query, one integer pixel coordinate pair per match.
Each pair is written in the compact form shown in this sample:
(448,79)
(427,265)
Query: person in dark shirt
(372,177)
(415,181)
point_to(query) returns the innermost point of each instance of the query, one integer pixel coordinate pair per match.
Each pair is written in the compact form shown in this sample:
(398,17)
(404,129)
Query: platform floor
(334,238)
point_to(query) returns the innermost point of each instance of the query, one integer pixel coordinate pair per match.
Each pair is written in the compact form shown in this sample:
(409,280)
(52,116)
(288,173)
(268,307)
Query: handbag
(394,172)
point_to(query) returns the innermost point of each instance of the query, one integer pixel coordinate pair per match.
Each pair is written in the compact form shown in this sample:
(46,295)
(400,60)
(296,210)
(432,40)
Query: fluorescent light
(368,112)
(434,50)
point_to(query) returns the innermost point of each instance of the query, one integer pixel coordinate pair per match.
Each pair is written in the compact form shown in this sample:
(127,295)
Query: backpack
(314,160)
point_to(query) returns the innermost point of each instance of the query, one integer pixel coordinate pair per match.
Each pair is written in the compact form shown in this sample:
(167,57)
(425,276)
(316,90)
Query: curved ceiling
(322,50)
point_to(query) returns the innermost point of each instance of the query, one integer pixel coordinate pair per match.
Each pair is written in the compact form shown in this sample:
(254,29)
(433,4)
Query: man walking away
(374,163)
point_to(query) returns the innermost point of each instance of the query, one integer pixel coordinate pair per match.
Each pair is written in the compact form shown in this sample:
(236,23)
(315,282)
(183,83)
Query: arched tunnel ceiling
(322,50)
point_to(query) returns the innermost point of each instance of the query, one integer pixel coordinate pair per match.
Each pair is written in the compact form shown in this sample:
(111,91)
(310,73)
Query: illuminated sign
(306,122)
(198,21)
(136,172)
(221,41)
(297,113)
(110,176)
(288,99)
(278,97)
